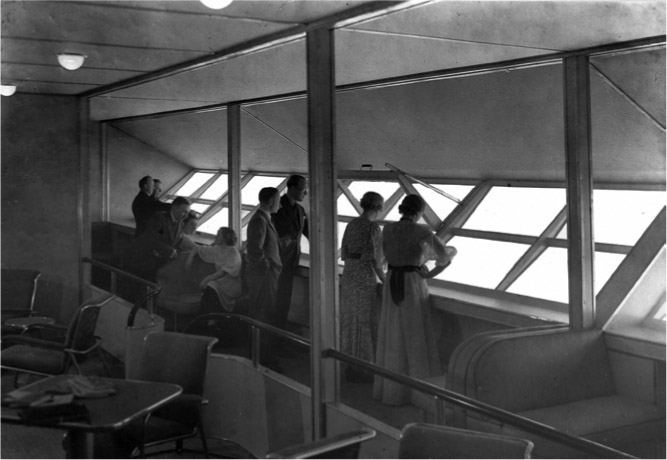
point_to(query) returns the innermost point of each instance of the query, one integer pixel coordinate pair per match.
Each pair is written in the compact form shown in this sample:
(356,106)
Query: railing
(256,328)
(146,299)
(528,425)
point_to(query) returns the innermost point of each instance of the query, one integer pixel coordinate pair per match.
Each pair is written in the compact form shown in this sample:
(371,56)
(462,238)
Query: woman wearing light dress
(224,286)
(362,252)
(406,340)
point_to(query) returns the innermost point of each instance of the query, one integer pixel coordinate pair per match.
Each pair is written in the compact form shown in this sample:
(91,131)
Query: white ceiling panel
(277,70)
(555,25)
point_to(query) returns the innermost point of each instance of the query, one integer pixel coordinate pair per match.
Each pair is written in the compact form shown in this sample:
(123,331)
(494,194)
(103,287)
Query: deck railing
(438,393)
(146,300)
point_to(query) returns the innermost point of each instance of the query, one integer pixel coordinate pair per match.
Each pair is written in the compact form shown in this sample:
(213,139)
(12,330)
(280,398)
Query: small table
(132,400)
(24,323)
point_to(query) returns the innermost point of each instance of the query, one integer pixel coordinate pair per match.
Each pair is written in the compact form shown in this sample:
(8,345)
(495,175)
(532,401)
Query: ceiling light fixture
(71,61)
(216,4)
(7,90)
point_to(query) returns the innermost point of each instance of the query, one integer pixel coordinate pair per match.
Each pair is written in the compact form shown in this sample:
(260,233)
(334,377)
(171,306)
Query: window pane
(198,207)
(344,207)
(546,278)
(440,204)
(192,185)
(481,262)
(219,219)
(621,216)
(517,210)
(250,193)
(217,189)
(359,187)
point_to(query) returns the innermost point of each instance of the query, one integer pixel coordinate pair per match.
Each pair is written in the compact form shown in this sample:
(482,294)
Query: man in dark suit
(291,222)
(145,205)
(160,242)
(263,264)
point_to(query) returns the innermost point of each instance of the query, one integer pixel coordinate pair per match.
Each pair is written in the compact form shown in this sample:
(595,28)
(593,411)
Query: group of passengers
(272,250)
(400,337)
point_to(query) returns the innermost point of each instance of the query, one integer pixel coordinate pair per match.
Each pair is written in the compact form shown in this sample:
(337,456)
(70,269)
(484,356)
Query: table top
(132,400)
(29,320)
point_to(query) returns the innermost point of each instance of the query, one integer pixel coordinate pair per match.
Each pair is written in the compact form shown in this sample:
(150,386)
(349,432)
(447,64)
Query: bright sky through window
(195,182)
(517,210)
(215,191)
(250,193)
(480,262)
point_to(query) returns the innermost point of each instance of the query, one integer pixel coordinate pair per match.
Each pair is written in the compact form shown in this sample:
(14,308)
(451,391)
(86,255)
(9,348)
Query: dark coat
(290,222)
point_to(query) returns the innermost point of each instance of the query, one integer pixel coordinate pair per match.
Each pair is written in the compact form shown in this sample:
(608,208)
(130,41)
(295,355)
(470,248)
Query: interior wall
(40,185)
(124,153)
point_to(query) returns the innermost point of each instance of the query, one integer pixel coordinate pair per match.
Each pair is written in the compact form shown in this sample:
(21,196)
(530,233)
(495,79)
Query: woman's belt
(353,255)
(397,281)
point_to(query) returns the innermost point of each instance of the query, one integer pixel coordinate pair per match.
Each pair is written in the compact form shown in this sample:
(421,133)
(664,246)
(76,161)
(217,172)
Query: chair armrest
(51,327)
(327,446)
(33,342)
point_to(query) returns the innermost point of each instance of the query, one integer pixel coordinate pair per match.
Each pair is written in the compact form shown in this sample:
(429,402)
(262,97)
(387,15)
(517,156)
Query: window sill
(637,340)
(502,308)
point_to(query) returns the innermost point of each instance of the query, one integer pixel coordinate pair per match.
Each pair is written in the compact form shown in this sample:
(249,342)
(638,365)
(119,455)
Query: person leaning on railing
(407,343)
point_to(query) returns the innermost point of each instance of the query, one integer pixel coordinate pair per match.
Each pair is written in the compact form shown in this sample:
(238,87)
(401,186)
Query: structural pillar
(581,249)
(322,222)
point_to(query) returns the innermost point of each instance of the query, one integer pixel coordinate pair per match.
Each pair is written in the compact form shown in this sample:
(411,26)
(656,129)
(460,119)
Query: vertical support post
(322,223)
(234,167)
(83,194)
(104,173)
(578,153)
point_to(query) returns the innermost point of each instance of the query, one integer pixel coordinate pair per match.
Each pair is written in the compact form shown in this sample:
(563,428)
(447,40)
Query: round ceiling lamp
(7,90)
(71,61)
(216,4)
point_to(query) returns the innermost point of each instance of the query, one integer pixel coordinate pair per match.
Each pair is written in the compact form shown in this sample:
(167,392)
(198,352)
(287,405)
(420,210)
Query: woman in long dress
(406,340)
(362,252)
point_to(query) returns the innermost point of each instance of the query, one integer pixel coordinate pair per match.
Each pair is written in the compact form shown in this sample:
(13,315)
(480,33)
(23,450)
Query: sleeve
(434,249)
(152,236)
(343,246)
(231,261)
(255,245)
(208,254)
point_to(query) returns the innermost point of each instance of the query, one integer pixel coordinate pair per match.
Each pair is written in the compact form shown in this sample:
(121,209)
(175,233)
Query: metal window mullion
(391,202)
(205,186)
(462,212)
(172,191)
(534,251)
(353,199)
(234,176)
(429,215)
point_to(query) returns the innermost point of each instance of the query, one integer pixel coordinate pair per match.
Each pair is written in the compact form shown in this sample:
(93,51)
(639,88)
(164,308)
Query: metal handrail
(526,424)
(474,405)
(152,289)
(257,327)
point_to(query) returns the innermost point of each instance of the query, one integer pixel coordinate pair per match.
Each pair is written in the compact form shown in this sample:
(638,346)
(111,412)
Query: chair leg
(179,446)
(202,433)
(104,362)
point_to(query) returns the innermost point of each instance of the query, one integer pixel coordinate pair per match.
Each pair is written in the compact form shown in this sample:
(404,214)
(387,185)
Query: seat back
(172,357)
(421,440)
(19,288)
(81,330)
